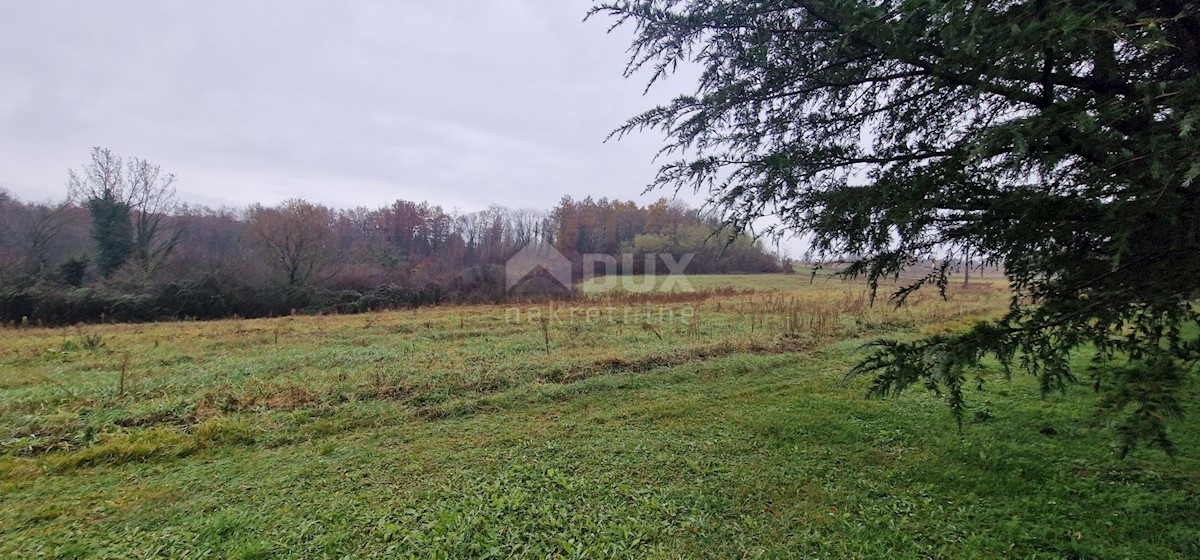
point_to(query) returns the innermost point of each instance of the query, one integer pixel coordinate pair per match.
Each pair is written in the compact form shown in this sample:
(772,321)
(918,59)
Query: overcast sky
(460,103)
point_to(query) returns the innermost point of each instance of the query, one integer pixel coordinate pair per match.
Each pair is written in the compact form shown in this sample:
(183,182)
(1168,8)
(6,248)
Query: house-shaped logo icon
(533,264)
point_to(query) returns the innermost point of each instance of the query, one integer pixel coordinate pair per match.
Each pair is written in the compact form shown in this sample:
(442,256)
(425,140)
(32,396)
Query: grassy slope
(451,432)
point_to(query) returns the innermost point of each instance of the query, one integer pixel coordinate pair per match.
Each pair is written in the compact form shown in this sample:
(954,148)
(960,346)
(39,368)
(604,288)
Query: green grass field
(711,424)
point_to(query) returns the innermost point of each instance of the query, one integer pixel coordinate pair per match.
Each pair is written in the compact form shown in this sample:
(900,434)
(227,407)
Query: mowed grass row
(456,432)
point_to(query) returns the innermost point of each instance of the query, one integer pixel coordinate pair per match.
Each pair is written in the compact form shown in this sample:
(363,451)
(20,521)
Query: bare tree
(526,225)
(28,232)
(42,225)
(8,207)
(128,200)
(104,175)
(151,198)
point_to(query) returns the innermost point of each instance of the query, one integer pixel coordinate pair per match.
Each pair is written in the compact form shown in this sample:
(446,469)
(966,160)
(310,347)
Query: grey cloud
(350,103)
(464,103)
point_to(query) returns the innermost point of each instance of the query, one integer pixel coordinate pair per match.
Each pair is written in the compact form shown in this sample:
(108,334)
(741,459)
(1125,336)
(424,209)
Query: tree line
(121,247)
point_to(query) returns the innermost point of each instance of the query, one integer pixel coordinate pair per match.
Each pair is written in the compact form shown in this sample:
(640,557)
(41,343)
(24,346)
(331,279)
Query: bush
(216,297)
(15,305)
(49,306)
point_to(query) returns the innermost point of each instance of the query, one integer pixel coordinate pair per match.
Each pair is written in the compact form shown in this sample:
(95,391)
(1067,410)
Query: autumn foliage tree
(297,239)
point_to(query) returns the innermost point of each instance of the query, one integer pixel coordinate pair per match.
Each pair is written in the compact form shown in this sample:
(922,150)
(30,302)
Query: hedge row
(216,298)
